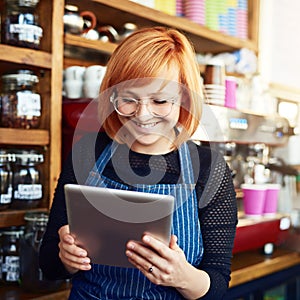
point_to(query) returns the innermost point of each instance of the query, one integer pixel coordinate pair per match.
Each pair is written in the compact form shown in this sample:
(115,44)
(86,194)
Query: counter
(246,266)
(251,265)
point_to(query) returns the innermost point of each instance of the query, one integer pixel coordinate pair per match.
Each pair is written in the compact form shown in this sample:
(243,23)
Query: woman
(149,107)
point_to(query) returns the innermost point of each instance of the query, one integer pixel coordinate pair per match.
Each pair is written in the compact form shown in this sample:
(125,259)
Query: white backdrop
(280,42)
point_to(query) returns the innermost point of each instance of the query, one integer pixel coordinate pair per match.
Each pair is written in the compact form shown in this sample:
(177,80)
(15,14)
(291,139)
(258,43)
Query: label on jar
(26,32)
(28,192)
(6,198)
(11,268)
(29,104)
(29,3)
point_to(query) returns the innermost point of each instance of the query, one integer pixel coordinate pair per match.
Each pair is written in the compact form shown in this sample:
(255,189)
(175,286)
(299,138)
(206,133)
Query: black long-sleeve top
(214,188)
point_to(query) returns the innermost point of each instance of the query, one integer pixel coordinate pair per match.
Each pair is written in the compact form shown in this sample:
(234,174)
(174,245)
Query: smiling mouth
(146,126)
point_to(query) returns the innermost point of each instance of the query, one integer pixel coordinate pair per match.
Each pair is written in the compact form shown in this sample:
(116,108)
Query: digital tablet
(102,220)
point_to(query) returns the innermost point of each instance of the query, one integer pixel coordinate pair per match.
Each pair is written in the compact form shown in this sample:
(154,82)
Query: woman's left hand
(161,264)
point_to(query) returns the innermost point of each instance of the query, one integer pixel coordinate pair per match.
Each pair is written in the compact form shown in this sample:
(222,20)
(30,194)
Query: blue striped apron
(109,282)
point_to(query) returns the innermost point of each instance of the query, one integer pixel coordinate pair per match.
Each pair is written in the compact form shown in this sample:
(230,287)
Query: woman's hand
(167,266)
(161,264)
(73,257)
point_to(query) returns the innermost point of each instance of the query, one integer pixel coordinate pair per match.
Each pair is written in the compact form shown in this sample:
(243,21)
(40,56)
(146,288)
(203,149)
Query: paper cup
(271,199)
(214,74)
(230,93)
(254,199)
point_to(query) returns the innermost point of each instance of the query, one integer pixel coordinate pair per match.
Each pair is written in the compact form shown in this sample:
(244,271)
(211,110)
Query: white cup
(73,88)
(74,73)
(94,72)
(91,88)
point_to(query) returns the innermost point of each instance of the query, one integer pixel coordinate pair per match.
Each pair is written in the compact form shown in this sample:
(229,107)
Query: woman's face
(145,131)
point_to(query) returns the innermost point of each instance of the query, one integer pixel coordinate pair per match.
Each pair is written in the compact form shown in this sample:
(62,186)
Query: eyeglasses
(127,106)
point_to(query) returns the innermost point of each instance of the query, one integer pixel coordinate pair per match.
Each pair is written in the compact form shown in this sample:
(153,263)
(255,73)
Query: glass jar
(21,104)
(5,180)
(20,24)
(10,254)
(27,181)
(31,277)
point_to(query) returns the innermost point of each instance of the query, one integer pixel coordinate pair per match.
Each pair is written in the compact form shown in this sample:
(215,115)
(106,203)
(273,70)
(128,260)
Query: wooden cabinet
(47,63)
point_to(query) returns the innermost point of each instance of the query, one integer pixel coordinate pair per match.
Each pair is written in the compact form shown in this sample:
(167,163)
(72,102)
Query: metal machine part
(222,124)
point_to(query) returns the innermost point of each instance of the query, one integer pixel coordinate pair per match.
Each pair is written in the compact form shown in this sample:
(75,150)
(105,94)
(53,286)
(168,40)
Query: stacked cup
(194,10)
(73,81)
(83,81)
(230,92)
(214,83)
(271,199)
(92,80)
(260,199)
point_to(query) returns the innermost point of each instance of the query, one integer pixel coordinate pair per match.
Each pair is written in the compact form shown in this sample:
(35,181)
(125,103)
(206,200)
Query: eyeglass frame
(138,102)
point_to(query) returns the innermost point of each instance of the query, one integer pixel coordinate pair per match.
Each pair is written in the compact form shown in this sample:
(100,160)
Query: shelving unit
(47,63)
(59,51)
(118,12)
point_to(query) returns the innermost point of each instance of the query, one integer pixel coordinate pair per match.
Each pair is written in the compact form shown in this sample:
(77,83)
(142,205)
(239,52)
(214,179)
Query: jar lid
(6,157)
(20,77)
(37,216)
(29,157)
(14,231)
(23,3)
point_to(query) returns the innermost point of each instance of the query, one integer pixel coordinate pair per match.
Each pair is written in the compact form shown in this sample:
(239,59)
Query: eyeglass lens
(129,106)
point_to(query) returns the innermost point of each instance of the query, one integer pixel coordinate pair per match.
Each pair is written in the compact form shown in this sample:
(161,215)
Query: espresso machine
(247,142)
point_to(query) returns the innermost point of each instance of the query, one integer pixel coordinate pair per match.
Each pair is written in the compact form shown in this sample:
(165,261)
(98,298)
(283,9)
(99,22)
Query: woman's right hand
(73,257)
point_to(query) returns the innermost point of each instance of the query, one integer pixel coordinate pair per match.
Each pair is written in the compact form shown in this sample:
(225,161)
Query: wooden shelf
(285,92)
(15,217)
(77,47)
(25,56)
(78,41)
(11,136)
(205,40)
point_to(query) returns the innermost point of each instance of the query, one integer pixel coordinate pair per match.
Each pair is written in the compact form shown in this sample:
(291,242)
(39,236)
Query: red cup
(254,199)
(271,199)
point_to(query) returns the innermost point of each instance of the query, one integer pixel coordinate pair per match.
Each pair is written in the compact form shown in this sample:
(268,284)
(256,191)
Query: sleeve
(82,158)
(49,261)
(218,220)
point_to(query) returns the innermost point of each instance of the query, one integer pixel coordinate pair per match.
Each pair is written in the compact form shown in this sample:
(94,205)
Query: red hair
(144,54)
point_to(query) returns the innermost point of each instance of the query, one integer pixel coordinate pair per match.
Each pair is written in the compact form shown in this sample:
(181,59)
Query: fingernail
(82,254)
(130,246)
(146,238)
(86,261)
(87,267)
(68,240)
(128,253)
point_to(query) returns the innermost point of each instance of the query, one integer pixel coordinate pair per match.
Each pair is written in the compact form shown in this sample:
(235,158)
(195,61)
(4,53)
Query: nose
(142,110)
